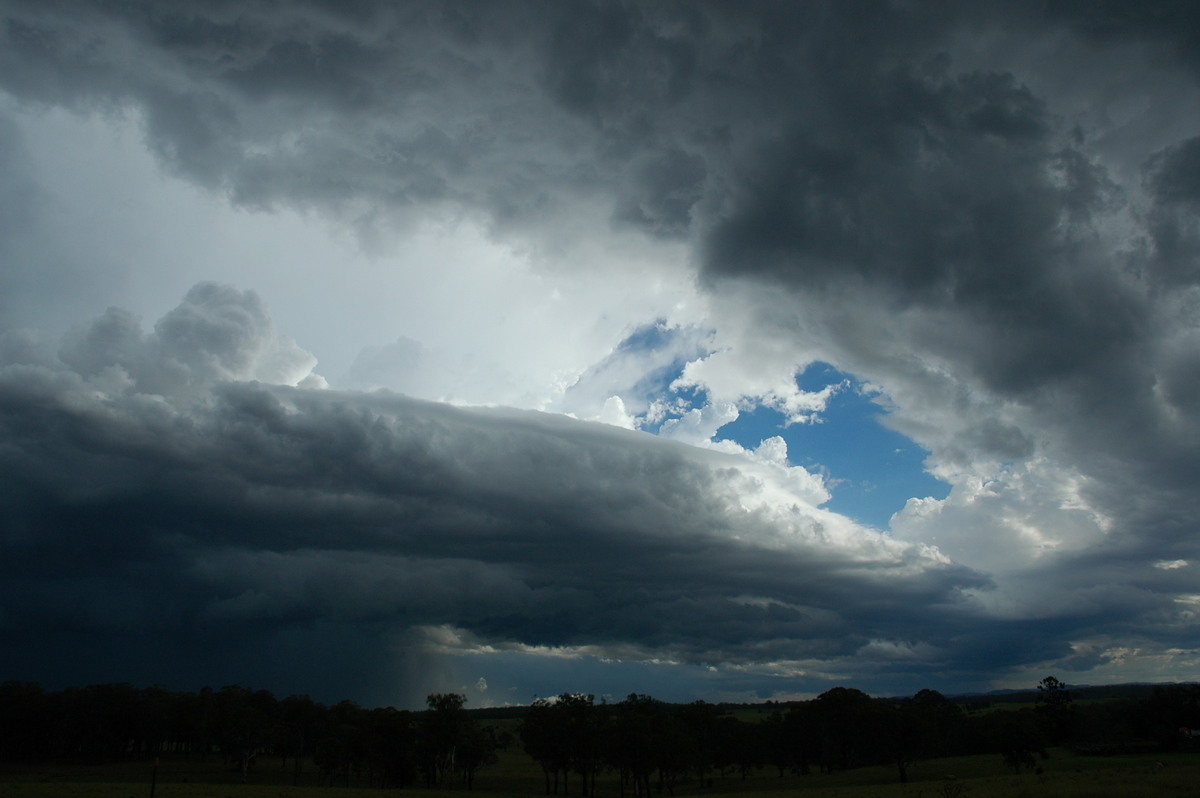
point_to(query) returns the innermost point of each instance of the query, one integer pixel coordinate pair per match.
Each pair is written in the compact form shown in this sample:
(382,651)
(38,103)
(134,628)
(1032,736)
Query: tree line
(650,745)
(346,743)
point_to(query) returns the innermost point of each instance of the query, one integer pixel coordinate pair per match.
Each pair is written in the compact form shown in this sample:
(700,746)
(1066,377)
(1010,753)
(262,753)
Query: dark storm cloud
(511,109)
(969,209)
(1173,177)
(398,105)
(1006,249)
(19,193)
(181,509)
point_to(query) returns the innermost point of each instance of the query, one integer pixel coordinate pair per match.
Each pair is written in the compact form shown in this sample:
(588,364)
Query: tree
(903,733)
(942,720)
(101,720)
(543,742)
(27,732)
(298,719)
(1169,709)
(579,725)
(803,730)
(246,723)
(441,730)
(475,749)
(913,728)
(333,754)
(843,717)
(778,750)
(349,721)
(673,748)
(1016,736)
(389,746)
(1054,709)
(633,738)
(564,735)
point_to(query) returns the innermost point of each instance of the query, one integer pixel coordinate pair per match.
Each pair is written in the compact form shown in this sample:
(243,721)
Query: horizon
(608,700)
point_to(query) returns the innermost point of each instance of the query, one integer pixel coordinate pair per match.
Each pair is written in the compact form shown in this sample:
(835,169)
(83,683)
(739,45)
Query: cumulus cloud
(636,372)
(217,333)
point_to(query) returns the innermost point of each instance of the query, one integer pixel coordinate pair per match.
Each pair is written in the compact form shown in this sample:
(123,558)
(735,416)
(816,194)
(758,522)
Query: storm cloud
(227,504)
(985,214)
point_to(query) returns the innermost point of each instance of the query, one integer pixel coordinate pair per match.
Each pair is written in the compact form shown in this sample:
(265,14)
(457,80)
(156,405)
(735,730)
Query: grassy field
(514,776)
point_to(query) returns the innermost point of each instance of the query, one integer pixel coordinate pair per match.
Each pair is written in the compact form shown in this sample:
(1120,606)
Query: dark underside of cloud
(935,196)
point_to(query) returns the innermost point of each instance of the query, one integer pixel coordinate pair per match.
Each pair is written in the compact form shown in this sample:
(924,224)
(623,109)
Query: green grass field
(1063,776)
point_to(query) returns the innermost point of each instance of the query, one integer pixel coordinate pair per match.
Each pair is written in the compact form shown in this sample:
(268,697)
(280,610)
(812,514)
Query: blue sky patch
(870,470)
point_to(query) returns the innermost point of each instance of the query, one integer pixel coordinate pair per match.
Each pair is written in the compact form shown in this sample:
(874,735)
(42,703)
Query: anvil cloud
(376,348)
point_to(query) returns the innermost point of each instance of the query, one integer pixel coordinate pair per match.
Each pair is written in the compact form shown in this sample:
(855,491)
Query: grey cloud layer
(962,205)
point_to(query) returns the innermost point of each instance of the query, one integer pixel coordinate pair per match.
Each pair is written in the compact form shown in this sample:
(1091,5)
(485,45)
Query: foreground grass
(1062,776)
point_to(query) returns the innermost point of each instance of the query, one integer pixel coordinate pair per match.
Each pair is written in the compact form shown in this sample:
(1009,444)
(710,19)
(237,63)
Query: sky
(702,350)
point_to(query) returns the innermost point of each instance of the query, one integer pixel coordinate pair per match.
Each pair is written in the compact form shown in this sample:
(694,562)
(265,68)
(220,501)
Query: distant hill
(1082,693)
